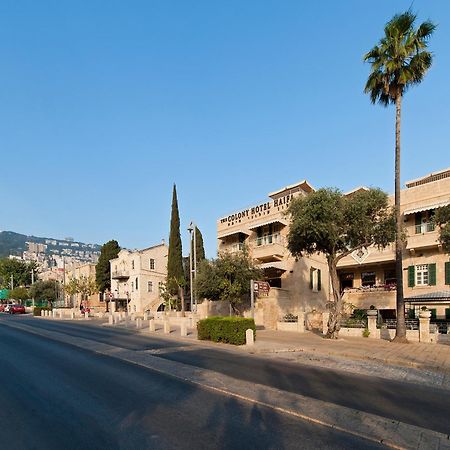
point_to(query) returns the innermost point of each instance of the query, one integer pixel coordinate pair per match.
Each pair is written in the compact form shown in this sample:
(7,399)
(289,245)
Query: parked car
(7,307)
(17,309)
(2,307)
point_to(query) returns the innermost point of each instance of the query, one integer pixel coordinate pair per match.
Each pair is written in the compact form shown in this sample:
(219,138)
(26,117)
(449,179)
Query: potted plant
(372,311)
(424,313)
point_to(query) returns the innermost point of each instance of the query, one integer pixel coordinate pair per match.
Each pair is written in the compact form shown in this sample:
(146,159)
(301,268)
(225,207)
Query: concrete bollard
(249,337)
(325,317)
(372,326)
(151,325)
(111,320)
(72,315)
(138,323)
(86,315)
(42,313)
(145,316)
(166,327)
(54,314)
(183,329)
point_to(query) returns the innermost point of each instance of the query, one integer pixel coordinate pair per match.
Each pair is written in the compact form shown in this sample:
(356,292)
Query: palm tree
(399,61)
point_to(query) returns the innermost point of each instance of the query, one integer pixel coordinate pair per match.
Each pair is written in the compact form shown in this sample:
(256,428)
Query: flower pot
(425,314)
(372,312)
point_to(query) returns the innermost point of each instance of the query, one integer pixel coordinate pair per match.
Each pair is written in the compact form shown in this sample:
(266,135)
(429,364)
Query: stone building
(95,301)
(136,277)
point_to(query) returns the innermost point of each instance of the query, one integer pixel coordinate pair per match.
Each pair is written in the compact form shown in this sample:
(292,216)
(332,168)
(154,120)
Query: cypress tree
(109,251)
(175,272)
(199,248)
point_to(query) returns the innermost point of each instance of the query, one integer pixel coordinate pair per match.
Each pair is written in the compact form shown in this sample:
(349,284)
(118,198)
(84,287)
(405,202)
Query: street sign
(261,287)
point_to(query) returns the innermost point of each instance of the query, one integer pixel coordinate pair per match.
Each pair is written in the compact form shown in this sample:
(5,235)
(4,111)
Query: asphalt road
(414,404)
(56,396)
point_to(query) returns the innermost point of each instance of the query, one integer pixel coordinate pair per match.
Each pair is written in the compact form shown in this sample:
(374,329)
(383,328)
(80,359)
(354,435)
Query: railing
(379,288)
(425,227)
(120,274)
(269,239)
(237,247)
(411,324)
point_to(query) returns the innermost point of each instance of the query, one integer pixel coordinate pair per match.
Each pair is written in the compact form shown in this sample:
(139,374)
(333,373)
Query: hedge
(37,310)
(230,330)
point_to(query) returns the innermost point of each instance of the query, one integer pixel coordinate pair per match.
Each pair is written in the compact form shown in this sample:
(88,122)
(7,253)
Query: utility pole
(195,266)
(12,282)
(32,282)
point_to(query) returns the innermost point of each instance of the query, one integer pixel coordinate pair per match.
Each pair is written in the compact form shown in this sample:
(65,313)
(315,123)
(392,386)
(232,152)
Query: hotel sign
(258,210)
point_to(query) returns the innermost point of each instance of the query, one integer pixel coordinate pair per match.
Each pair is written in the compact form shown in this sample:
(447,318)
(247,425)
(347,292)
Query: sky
(105,104)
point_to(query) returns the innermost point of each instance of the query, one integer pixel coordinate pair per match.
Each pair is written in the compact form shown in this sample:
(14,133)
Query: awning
(267,222)
(230,233)
(426,207)
(439,296)
(280,265)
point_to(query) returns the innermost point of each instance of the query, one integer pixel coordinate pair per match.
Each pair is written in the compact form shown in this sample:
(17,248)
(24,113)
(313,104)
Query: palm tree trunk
(400,332)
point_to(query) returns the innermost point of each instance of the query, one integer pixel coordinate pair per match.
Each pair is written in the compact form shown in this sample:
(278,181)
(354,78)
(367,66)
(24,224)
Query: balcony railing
(425,228)
(237,247)
(269,239)
(118,274)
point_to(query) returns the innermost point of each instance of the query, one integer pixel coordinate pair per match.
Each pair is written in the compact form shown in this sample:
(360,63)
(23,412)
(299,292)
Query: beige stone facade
(136,277)
(368,276)
(297,286)
(95,301)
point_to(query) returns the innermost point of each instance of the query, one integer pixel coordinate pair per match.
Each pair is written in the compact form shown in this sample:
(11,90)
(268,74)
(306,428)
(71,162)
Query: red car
(17,309)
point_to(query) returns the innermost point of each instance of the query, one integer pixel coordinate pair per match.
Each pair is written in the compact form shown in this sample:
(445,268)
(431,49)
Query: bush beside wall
(230,330)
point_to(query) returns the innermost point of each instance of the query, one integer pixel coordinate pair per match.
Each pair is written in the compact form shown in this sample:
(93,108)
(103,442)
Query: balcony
(383,297)
(269,248)
(120,275)
(427,237)
(236,247)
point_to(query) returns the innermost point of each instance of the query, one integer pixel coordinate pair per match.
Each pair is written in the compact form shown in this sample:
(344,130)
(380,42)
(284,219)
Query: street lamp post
(191,229)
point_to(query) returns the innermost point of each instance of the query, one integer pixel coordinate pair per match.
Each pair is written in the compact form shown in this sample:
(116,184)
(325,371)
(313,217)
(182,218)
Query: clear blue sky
(104,105)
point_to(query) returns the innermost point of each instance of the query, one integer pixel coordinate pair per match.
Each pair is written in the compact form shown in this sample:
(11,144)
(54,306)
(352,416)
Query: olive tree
(335,225)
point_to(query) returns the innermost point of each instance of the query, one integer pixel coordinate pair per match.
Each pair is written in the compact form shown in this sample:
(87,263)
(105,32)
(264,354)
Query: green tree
(109,251)
(175,273)
(45,290)
(227,278)
(442,218)
(71,288)
(335,225)
(19,293)
(398,62)
(20,271)
(199,247)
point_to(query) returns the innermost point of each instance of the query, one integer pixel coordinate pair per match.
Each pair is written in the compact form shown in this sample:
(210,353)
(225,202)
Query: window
(132,264)
(368,279)
(424,222)
(390,277)
(149,286)
(152,264)
(315,279)
(422,275)
(132,287)
(137,284)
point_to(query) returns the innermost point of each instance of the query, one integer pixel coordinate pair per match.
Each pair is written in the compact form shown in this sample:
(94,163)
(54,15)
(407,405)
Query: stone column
(249,337)
(424,329)
(325,317)
(166,327)
(42,313)
(372,323)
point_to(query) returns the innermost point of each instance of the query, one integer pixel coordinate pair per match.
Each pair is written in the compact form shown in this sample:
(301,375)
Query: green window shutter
(411,276)
(447,313)
(432,274)
(433,313)
(319,280)
(447,272)
(311,272)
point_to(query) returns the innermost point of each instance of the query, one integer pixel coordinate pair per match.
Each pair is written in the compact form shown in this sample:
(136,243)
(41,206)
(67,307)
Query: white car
(7,307)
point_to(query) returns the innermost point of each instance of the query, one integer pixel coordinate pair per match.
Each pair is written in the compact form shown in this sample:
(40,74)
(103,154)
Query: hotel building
(367,276)
(136,277)
(297,285)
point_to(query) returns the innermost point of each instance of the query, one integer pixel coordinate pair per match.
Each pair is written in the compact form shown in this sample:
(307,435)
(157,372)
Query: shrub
(230,330)
(366,333)
(37,310)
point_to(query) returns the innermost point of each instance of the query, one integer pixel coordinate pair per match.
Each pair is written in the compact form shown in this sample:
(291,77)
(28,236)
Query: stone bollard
(151,325)
(166,327)
(424,329)
(111,320)
(42,313)
(372,325)
(138,323)
(145,316)
(249,337)
(183,329)
(72,315)
(86,315)
(325,317)
(53,314)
